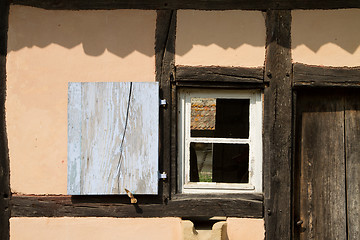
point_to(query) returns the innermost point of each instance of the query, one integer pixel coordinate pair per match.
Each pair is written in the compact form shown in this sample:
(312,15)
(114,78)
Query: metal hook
(131,196)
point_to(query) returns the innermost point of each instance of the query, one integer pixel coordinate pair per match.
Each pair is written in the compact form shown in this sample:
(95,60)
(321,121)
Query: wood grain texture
(322,167)
(167,32)
(295,173)
(188,4)
(74,138)
(63,206)
(165,50)
(352,145)
(118,135)
(4,151)
(319,76)
(216,74)
(277,126)
(174,143)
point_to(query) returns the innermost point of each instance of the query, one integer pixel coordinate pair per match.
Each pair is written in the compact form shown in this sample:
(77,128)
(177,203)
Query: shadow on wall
(226,29)
(317,28)
(116,31)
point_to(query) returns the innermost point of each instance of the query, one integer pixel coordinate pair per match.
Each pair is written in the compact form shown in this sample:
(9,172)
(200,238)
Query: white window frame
(255,142)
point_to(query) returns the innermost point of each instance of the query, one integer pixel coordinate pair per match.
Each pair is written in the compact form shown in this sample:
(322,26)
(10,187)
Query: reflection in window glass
(219,162)
(220,118)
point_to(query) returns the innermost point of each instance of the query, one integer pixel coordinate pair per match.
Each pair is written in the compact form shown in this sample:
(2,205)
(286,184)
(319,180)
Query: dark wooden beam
(4,157)
(190,4)
(63,206)
(221,85)
(216,74)
(164,58)
(319,76)
(277,126)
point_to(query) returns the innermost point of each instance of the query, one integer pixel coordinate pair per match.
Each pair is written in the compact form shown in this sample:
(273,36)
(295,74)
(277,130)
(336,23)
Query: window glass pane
(220,118)
(219,162)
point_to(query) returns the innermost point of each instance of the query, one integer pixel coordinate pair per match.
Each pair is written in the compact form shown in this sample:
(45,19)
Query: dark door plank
(322,167)
(352,140)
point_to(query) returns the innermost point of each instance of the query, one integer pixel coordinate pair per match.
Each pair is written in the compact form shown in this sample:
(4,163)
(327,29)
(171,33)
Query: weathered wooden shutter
(113,138)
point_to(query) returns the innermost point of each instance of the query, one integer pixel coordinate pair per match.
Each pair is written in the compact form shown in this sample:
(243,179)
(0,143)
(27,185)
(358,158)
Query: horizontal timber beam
(320,76)
(215,75)
(67,206)
(190,4)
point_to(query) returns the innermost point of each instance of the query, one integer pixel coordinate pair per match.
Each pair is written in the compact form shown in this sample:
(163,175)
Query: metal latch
(131,196)
(163,102)
(162,175)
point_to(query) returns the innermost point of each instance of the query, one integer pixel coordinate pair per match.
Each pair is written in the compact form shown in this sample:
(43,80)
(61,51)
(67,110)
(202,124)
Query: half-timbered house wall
(280,48)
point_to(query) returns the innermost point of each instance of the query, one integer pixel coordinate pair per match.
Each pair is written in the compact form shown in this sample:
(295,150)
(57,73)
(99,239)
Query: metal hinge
(163,102)
(162,175)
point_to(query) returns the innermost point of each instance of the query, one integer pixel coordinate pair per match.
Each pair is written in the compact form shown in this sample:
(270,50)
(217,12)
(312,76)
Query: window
(220,141)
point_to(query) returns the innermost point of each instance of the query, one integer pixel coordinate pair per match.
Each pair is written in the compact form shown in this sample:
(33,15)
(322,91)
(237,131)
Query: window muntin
(220,149)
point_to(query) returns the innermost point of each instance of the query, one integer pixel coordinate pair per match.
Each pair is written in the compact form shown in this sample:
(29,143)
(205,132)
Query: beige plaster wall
(231,229)
(326,37)
(245,229)
(46,50)
(130,228)
(223,38)
(95,228)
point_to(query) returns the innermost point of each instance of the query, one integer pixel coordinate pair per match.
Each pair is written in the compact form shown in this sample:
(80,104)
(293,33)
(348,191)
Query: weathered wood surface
(213,74)
(295,172)
(322,167)
(352,146)
(113,138)
(4,157)
(319,76)
(190,4)
(221,85)
(165,55)
(62,206)
(277,126)
(165,68)
(174,144)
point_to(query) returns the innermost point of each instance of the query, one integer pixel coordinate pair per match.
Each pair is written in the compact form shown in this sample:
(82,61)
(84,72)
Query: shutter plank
(119,144)
(74,137)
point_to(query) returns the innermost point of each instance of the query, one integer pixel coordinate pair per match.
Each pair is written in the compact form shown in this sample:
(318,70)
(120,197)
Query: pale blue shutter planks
(113,136)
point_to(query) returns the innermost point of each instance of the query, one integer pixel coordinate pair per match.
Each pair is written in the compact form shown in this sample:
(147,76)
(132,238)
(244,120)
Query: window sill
(256,197)
(207,187)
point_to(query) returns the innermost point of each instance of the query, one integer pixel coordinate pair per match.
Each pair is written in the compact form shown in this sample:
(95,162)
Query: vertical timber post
(165,55)
(278,125)
(4,157)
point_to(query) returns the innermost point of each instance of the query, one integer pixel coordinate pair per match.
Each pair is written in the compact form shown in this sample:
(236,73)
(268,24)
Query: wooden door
(327,165)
